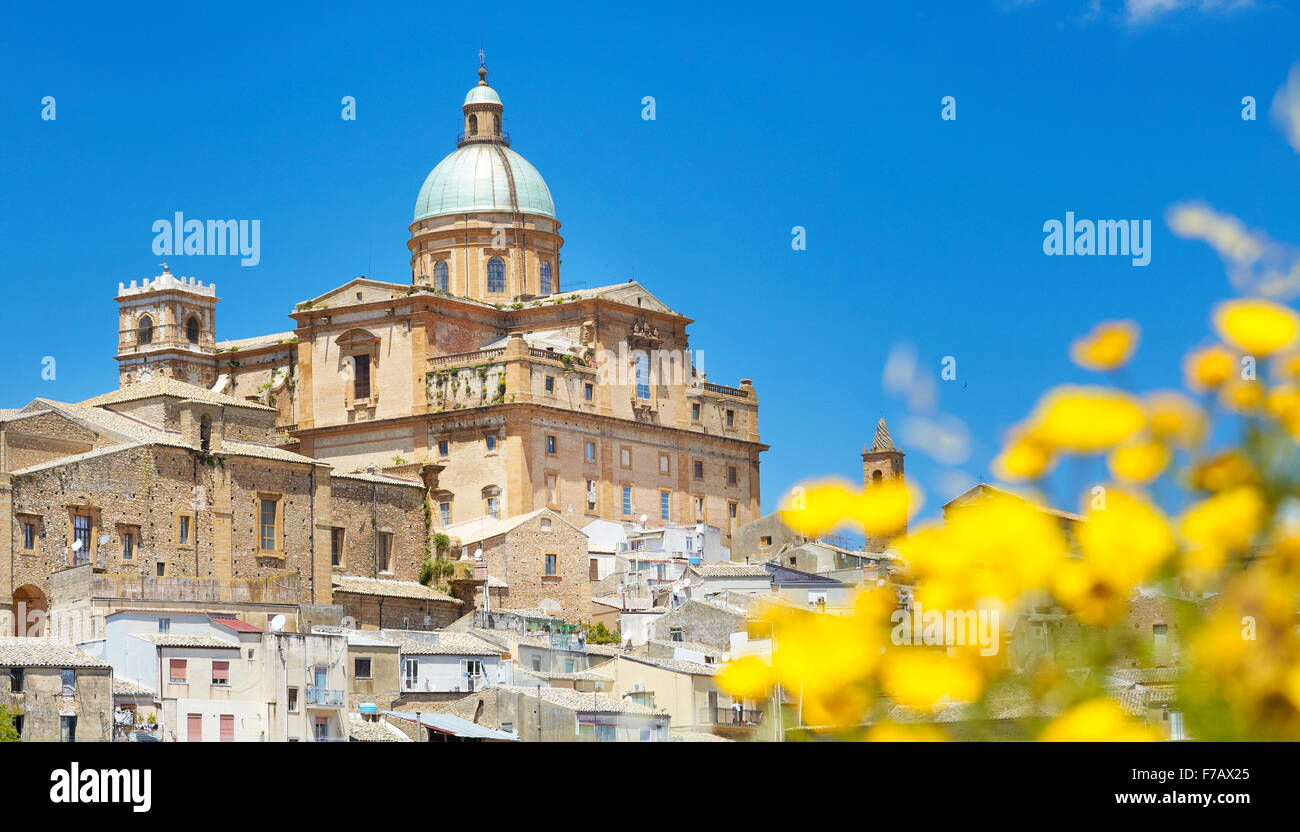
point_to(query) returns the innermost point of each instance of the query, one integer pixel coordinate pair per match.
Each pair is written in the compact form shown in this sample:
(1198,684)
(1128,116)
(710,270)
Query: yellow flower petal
(1257,326)
(1086,419)
(1109,346)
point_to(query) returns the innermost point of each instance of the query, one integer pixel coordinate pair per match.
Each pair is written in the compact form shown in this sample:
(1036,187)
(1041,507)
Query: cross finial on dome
(482,69)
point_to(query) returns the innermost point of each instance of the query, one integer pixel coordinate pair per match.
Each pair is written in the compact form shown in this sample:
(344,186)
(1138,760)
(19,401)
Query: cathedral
(524,394)
(480,409)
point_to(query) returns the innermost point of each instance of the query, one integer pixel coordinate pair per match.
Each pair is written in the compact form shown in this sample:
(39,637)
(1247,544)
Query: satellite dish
(276,624)
(644,518)
(478,554)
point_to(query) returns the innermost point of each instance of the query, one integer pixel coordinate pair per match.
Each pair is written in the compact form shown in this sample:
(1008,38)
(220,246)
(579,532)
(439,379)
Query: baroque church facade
(520,395)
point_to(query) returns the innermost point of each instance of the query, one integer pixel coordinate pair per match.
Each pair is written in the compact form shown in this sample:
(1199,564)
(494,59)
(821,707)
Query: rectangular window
(194,727)
(591,495)
(676,634)
(227,728)
(474,668)
(336,547)
(588,391)
(68,681)
(385,551)
(267,525)
(552,490)
(176,673)
(128,545)
(550,565)
(16,679)
(625,457)
(731,510)
(220,673)
(164,625)
(320,729)
(642,375)
(550,384)
(665,503)
(410,674)
(491,440)
(361,668)
(1160,637)
(183,531)
(731,418)
(550,445)
(665,464)
(67,729)
(81,538)
(695,411)
(361,381)
(444,511)
(29,535)
(292,696)
(732,478)
(699,509)
(444,448)
(161,569)
(589,451)
(627,499)
(494,506)
(698,471)
(593,569)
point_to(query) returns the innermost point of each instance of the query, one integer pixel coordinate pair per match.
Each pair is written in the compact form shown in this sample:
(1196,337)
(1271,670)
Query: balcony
(318,697)
(738,717)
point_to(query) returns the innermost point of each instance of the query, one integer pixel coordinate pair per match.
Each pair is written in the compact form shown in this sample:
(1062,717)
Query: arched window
(496,120)
(205,434)
(546,277)
(440,280)
(192,329)
(877,477)
(473,125)
(144,330)
(492,501)
(496,276)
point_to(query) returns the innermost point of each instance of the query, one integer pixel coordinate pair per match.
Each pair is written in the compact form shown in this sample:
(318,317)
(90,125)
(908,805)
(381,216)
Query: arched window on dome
(144,330)
(546,277)
(496,276)
(192,329)
(473,124)
(441,281)
(496,121)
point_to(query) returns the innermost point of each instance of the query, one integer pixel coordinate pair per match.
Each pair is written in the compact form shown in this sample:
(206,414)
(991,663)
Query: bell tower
(882,461)
(167,327)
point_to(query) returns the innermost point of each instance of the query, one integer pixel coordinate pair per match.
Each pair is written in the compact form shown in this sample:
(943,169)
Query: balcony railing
(466,358)
(726,391)
(483,137)
(731,716)
(278,589)
(324,697)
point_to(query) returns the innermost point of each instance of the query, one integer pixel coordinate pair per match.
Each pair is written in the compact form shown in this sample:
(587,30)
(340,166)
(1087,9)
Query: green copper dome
(482,94)
(474,178)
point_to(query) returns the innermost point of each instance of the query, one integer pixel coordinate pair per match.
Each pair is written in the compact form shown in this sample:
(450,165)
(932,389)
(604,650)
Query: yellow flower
(1126,540)
(883,508)
(1223,471)
(1220,525)
(1002,544)
(818,507)
(1107,347)
(1287,366)
(1023,459)
(1257,326)
(1242,396)
(746,678)
(921,679)
(1139,462)
(1086,419)
(1122,545)
(1174,418)
(1097,720)
(1284,405)
(1207,368)
(895,732)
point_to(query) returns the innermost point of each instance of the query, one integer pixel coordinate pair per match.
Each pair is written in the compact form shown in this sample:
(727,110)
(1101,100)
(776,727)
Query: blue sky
(919,230)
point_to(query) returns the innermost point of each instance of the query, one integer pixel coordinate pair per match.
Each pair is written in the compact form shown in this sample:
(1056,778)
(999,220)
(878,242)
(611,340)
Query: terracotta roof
(357,585)
(727,569)
(378,477)
(16,651)
(170,388)
(587,703)
(360,730)
(440,643)
(235,624)
(255,341)
(182,640)
(125,687)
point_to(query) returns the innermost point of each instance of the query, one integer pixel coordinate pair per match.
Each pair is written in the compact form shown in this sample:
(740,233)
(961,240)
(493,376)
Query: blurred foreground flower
(1256,326)
(1098,720)
(1108,347)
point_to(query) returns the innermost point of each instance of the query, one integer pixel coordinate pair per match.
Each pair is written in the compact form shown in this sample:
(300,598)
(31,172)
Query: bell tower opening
(167,328)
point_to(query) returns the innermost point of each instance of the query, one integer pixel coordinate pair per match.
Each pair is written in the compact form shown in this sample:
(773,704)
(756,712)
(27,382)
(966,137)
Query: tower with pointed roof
(882,461)
(485,225)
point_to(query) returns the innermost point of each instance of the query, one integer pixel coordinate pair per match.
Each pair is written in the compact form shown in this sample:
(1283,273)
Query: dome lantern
(482,112)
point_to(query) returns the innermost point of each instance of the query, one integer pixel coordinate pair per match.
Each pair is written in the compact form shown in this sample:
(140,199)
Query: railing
(561,357)
(483,137)
(279,589)
(726,391)
(324,697)
(731,716)
(476,357)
